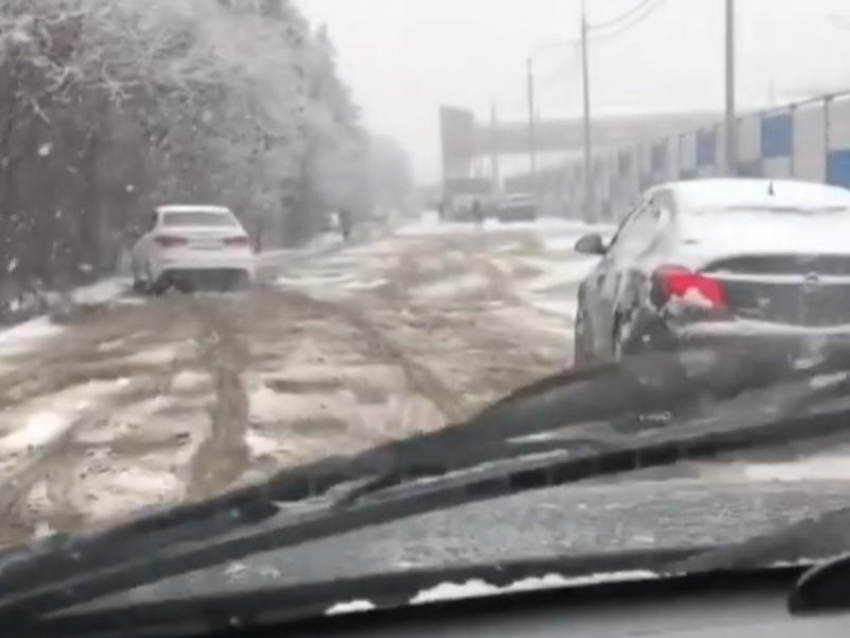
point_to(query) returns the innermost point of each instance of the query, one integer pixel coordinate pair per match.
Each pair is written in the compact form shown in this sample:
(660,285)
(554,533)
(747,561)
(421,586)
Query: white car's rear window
(198,218)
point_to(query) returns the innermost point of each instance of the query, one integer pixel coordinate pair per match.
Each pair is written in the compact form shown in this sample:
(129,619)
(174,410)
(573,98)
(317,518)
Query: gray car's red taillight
(676,283)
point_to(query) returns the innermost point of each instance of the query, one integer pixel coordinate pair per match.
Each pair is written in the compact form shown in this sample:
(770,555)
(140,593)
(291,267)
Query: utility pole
(731,118)
(532,133)
(494,144)
(589,199)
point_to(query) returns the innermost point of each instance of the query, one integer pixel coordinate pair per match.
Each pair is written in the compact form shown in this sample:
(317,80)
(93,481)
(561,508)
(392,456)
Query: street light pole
(731,119)
(589,203)
(532,133)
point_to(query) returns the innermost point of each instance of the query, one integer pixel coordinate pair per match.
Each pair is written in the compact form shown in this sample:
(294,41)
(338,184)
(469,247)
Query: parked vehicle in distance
(190,247)
(735,263)
(517,207)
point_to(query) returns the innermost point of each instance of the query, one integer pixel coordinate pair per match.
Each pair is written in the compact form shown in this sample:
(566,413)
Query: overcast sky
(403,58)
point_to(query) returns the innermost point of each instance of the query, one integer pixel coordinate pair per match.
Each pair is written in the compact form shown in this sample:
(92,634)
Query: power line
(609,28)
(622,17)
(648,9)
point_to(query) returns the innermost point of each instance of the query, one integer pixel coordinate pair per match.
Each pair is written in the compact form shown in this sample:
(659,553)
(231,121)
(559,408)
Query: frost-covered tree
(110,106)
(336,171)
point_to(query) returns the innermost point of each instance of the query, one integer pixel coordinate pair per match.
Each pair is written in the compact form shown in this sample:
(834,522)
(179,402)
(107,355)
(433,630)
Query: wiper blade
(389,489)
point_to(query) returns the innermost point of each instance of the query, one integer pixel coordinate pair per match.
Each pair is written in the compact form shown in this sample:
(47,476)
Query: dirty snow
(149,402)
(40,429)
(161,401)
(102,292)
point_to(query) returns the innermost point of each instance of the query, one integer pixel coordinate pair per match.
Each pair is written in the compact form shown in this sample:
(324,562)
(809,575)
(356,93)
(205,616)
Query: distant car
(738,263)
(517,207)
(192,246)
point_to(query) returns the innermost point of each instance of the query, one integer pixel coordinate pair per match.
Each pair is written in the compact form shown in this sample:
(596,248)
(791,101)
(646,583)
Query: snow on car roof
(193,208)
(715,194)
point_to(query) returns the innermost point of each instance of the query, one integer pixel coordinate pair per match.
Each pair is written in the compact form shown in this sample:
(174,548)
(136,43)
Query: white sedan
(192,246)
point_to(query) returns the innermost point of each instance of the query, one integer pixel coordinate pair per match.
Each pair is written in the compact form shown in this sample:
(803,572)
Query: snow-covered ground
(128,403)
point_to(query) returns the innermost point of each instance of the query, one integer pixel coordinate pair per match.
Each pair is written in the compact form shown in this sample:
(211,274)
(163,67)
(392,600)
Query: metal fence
(807,140)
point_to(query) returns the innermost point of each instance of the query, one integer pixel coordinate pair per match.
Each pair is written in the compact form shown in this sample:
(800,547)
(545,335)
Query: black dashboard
(715,606)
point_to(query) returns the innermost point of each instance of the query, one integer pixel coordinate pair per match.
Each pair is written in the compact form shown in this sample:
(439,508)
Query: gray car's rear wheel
(583,340)
(624,338)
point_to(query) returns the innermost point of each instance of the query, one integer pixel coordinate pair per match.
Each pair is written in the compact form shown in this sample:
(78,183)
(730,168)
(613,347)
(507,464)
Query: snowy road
(138,403)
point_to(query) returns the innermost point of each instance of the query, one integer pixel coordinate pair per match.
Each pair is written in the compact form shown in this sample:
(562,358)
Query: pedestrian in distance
(345,224)
(478,213)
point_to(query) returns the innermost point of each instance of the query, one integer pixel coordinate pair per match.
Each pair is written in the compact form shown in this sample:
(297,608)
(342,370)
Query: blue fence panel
(706,147)
(838,168)
(777,135)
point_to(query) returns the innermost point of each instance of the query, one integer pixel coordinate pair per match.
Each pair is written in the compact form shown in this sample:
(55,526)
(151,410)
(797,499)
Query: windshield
(408,216)
(198,218)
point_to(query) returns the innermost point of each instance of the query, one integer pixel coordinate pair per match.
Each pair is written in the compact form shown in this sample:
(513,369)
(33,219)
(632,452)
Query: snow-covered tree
(336,172)
(113,105)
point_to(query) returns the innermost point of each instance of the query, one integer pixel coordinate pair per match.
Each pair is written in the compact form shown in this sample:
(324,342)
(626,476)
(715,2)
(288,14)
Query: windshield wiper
(462,464)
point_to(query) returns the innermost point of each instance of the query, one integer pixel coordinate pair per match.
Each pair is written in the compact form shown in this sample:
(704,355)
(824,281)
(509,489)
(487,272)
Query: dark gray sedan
(725,262)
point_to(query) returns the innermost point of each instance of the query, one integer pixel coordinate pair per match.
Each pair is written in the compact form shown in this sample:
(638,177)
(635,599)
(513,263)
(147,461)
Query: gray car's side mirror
(591,245)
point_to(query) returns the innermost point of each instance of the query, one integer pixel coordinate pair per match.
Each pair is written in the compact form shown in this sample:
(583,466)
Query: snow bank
(102,292)
(27,336)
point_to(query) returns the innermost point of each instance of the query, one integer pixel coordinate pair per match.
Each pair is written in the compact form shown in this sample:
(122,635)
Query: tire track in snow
(422,379)
(224,455)
(55,465)
(97,350)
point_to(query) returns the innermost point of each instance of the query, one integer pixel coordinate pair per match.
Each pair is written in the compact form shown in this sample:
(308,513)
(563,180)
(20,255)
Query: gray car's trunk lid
(785,267)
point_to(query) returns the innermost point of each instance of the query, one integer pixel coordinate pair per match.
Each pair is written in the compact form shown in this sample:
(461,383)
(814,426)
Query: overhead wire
(647,10)
(613,22)
(599,32)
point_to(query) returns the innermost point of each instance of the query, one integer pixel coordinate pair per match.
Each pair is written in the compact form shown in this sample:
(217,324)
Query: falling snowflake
(45,149)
